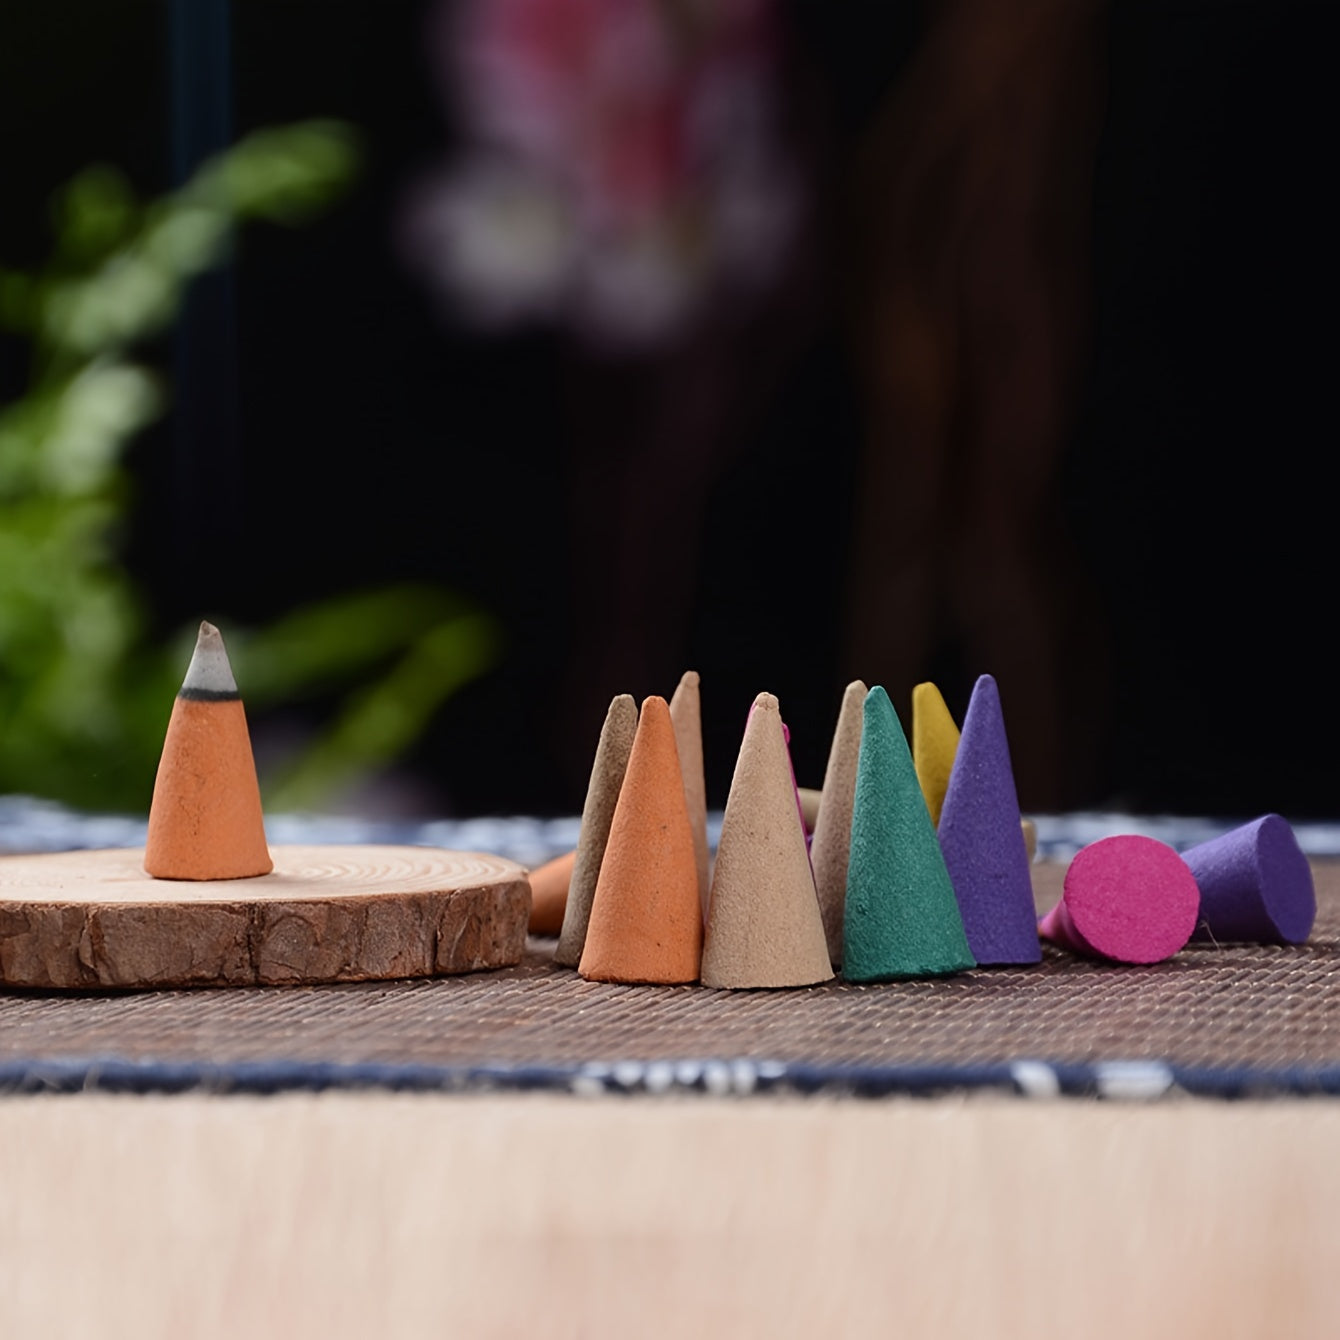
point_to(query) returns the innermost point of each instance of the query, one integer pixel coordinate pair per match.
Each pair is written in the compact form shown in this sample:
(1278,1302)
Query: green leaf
(381,721)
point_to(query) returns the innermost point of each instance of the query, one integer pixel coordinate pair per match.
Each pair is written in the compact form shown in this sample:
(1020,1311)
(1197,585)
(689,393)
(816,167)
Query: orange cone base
(205,821)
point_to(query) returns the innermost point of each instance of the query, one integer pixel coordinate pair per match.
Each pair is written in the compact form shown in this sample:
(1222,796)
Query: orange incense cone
(205,820)
(646,918)
(686,713)
(549,894)
(764,927)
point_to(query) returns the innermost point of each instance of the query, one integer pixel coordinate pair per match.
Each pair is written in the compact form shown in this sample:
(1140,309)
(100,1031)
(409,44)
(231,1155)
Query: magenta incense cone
(1131,899)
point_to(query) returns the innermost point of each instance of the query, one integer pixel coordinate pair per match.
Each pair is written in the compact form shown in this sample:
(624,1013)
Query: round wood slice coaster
(90,919)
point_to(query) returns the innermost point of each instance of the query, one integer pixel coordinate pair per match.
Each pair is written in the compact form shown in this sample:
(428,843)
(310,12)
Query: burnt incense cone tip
(205,820)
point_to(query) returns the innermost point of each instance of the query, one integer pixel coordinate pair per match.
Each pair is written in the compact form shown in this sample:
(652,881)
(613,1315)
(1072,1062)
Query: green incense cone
(901,917)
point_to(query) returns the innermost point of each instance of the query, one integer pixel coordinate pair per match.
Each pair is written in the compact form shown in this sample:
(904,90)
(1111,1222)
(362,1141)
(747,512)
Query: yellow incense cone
(934,744)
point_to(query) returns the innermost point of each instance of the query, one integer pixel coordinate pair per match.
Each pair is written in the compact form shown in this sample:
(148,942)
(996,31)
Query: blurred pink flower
(621,161)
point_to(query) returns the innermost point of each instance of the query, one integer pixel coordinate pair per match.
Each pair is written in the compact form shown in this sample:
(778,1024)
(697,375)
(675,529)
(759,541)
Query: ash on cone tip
(209,676)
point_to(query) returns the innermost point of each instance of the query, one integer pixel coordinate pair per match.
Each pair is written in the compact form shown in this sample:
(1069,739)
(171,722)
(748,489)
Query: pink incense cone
(1128,898)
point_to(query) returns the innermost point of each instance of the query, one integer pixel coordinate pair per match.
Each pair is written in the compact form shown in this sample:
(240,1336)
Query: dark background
(353,437)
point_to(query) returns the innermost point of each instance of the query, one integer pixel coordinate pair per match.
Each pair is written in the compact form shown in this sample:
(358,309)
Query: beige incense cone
(602,794)
(646,918)
(205,820)
(686,714)
(832,833)
(763,922)
(1030,839)
(549,894)
(810,800)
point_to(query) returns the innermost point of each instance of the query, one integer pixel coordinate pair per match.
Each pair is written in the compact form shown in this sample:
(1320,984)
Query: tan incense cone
(646,918)
(810,800)
(686,713)
(832,833)
(205,820)
(763,923)
(549,894)
(602,794)
(1030,839)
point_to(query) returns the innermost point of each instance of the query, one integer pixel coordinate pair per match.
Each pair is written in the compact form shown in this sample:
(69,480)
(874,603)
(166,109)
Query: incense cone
(205,820)
(1255,884)
(686,714)
(832,832)
(646,920)
(1030,832)
(795,785)
(764,928)
(1127,898)
(809,808)
(549,894)
(934,745)
(983,841)
(901,918)
(602,794)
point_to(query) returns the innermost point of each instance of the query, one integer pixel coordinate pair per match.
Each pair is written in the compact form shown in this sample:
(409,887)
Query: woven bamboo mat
(1214,1010)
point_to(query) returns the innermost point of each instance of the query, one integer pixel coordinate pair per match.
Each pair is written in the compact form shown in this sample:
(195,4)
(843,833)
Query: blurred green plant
(84,692)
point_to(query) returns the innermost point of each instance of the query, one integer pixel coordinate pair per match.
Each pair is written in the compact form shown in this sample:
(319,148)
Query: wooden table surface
(365,1213)
(362,1214)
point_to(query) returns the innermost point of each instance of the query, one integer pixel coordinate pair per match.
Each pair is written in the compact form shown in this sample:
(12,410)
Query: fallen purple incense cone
(1128,898)
(1255,884)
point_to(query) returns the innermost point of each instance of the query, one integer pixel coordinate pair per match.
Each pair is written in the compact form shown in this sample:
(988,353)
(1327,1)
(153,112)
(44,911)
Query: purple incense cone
(982,841)
(1255,884)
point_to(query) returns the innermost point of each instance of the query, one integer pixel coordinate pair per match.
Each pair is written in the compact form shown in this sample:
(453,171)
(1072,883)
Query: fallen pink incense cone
(1131,899)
